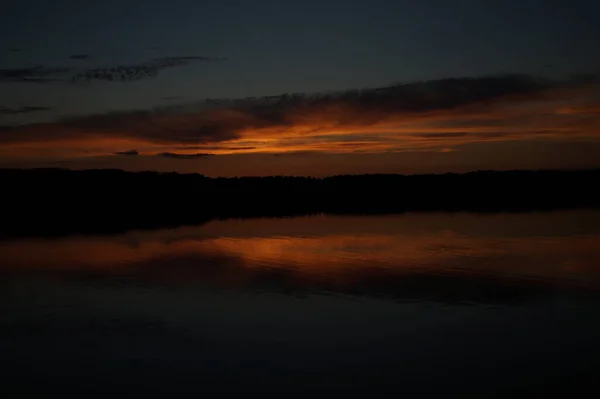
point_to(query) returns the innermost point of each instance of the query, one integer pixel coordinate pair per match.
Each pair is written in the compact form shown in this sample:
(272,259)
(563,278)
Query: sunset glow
(553,113)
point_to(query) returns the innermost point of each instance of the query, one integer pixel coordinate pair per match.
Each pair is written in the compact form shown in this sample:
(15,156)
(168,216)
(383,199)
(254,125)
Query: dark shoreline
(55,202)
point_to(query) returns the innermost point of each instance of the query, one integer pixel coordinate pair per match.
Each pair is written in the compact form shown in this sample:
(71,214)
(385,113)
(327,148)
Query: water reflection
(441,257)
(353,305)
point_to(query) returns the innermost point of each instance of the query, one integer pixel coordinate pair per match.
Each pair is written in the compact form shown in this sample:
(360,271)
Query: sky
(265,87)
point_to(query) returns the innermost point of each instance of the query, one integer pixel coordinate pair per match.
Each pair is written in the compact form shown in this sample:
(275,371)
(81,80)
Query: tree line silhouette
(58,201)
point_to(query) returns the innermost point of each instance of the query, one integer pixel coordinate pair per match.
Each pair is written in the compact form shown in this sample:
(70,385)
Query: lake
(450,304)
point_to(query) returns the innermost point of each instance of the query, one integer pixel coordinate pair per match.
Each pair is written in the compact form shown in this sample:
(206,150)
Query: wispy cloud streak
(433,115)
(22,110)
(183,156)
(113,73)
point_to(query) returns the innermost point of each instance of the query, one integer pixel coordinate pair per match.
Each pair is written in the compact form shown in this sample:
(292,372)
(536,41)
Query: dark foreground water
(452,305)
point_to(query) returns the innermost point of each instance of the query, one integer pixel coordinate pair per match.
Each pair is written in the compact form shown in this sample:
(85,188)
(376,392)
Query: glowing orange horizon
(338,128)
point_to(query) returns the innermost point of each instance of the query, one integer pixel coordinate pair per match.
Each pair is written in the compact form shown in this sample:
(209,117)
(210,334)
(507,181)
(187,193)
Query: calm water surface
(426,304)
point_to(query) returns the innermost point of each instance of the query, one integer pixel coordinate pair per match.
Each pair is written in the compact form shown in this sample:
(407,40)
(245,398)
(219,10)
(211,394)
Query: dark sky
(75,58)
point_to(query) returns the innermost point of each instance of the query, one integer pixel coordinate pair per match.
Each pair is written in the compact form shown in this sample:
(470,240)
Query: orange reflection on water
(313,247)
(339,257)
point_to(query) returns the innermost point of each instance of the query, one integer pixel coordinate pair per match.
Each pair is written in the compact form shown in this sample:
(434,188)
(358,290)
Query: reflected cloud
(439,264)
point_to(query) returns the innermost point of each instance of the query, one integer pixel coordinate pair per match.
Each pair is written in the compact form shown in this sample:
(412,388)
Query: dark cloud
(14,49)
(140,71)
(183,156)
(169,125)
(80,56)
(22,110)
(116,73)
(184,60)
(36,74)
(443,135)
(585,78)
(224,119)
(468,134)
(127,153)
(295,153)
(214,147)
(171,98)
(351,137)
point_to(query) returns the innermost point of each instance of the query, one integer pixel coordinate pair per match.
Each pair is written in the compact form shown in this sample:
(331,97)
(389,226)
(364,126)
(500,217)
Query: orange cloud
(590,109)
(434,116)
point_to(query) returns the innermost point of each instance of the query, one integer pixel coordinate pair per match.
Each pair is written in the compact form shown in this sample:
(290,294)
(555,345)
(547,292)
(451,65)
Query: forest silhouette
(50,201)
